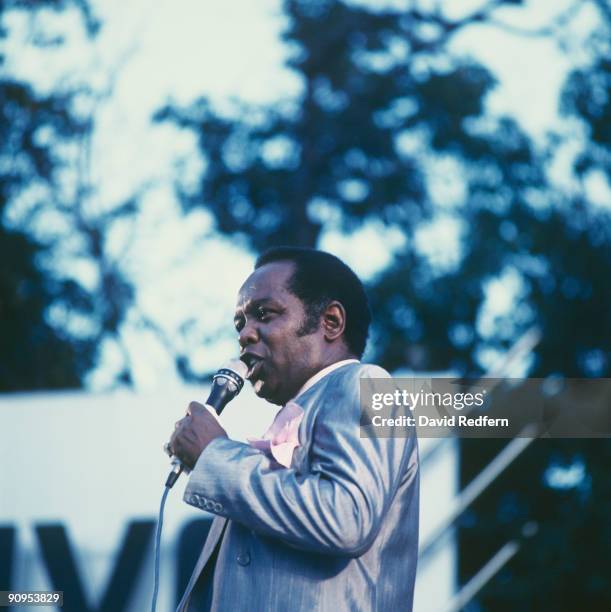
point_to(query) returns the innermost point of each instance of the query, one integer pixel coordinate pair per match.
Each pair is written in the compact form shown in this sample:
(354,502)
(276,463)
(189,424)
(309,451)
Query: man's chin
(259,387)
(264,391)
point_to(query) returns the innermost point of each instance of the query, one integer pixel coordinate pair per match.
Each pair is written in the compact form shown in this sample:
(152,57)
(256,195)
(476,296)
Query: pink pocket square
(281,439)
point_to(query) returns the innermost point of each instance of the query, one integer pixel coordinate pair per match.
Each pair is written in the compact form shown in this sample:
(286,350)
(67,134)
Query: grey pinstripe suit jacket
(338,530)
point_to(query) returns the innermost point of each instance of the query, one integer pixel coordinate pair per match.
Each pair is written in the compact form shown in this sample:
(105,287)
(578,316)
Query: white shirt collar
(312,381)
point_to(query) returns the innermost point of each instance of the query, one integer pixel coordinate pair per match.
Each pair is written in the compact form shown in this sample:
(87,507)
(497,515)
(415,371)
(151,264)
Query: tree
(51,323)
(567,565)
(34,353)
(378,113)
(378,104)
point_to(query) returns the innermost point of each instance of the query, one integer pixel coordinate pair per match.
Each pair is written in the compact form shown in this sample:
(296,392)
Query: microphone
(226,384)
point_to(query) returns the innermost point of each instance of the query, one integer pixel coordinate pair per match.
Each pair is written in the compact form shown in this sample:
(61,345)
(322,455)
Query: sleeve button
(243,558)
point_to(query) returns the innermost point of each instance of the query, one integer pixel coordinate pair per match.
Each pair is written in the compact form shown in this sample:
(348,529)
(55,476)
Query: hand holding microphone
(193,433)
(199,427)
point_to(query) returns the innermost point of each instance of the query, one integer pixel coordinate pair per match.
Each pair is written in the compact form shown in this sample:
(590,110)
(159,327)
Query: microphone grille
(238,367)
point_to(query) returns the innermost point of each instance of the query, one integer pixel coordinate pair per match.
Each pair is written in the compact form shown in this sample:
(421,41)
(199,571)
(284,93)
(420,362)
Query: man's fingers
(182,421)
(195,408)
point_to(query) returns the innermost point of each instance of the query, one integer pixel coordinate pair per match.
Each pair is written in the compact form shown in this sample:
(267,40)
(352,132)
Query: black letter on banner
(128,567)
(65,577)
(61,567)
(7,549)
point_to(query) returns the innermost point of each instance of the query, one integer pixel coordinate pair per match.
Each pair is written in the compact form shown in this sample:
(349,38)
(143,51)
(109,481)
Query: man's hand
(193,433)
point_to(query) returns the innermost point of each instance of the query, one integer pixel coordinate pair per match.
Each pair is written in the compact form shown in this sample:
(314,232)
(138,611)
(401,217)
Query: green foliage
(566,564)
(35,353)
(372,81)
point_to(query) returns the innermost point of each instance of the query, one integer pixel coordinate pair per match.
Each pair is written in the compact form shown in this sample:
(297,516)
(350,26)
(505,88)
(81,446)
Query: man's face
(268,318)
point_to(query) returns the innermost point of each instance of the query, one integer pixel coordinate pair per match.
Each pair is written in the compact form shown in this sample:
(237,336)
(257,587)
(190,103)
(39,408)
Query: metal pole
(470,590)
(489,570)
(524,345)
(479,484)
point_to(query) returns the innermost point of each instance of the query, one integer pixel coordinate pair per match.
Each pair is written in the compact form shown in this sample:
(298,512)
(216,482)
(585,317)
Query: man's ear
(334,321)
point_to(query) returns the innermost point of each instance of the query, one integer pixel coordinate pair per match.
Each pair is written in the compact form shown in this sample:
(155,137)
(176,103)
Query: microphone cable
(177,469)
(158,547)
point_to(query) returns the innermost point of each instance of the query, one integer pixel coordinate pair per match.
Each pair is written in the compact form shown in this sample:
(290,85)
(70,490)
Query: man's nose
(248,334)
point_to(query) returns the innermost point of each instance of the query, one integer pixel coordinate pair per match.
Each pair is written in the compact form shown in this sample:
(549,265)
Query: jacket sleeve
(337,506)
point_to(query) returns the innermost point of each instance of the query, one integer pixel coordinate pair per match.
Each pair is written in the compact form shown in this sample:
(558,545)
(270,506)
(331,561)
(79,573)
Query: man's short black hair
(318,279)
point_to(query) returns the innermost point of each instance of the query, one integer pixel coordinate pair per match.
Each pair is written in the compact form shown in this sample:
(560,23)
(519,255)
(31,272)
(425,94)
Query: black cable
(158,547)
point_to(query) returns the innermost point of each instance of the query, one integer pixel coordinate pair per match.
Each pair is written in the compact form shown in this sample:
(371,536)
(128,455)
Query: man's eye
(262,313)
(239,325)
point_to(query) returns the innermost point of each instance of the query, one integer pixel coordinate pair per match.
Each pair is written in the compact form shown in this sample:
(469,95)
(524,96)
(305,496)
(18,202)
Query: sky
(150,53)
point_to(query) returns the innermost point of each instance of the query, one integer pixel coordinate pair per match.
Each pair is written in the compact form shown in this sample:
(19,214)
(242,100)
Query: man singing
(313,516)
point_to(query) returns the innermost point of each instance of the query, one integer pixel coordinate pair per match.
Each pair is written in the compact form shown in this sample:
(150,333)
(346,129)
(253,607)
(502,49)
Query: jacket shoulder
(370,370)
(339,392)
(353,372)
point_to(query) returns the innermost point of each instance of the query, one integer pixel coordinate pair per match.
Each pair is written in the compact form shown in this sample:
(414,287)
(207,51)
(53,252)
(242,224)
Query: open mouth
(254,363)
